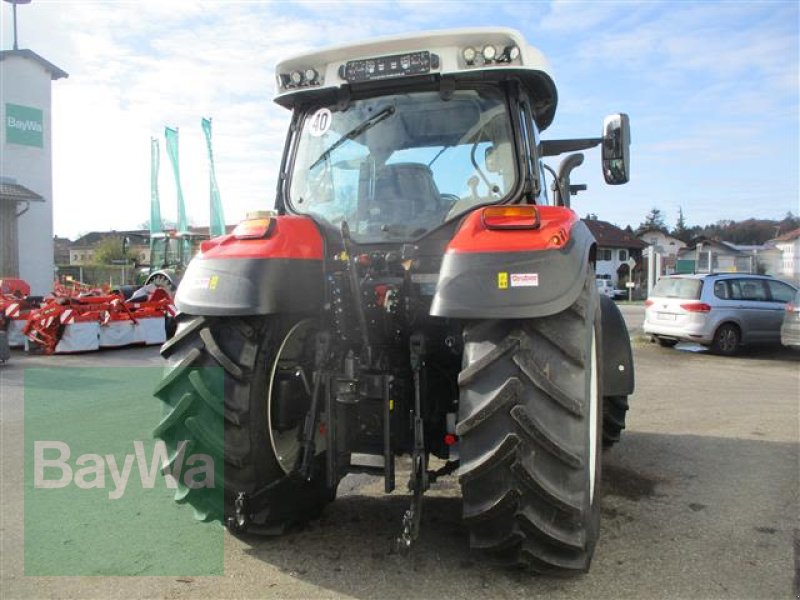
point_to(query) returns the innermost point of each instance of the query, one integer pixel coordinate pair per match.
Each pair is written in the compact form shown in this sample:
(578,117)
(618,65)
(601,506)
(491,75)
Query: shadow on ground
(658,490)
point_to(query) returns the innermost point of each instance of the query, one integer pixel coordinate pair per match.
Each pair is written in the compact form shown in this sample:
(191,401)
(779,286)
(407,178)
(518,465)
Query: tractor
(419,296)
(170,253)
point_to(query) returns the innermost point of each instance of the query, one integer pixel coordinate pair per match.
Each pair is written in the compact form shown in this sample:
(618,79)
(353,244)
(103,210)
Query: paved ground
(701,500)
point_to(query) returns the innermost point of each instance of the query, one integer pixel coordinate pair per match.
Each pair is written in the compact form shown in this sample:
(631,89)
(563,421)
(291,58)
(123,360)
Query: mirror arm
(556,147)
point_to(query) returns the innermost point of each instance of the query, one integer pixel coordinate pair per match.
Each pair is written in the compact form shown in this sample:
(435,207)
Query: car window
(678,287)
(748,289)
(721,290)
(780,292)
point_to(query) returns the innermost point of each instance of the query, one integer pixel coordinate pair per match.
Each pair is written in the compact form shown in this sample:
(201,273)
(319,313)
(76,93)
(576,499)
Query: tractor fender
(250,286)
(618,379)
(168,274)
(514,274)
(279,273)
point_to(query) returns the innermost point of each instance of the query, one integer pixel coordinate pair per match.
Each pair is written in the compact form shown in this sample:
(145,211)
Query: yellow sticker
(502,281)
(212,282)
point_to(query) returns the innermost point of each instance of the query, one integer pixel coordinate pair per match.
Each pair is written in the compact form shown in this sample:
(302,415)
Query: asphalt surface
(700,501)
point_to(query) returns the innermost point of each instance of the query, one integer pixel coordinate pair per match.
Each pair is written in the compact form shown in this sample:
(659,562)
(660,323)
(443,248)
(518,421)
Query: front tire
(529,427)
(236,431)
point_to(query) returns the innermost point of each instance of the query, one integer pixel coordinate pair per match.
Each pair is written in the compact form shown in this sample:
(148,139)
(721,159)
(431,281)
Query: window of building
(623,255)
(604,254)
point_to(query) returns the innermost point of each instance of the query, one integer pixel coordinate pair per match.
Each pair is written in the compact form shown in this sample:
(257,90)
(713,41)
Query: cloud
(712,85)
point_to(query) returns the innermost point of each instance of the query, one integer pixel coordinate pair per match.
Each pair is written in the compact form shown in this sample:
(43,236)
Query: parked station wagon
(722,311)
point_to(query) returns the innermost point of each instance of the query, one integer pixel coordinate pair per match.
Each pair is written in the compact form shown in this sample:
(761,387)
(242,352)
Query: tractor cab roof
(487,54)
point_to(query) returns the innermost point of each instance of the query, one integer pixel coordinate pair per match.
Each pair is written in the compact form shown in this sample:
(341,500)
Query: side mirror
(616,149)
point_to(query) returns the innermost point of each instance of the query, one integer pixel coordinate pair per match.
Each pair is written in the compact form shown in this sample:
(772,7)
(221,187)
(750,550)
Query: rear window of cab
(678,287)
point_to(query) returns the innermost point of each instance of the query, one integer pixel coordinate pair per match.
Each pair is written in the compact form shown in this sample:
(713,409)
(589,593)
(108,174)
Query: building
(705,255)
(61,250)
(135,242)
(26,181)
(615,247)
(665,245)
(788,266)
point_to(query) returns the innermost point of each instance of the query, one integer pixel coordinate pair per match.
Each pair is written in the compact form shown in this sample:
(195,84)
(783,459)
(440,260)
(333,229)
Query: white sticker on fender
(524,279)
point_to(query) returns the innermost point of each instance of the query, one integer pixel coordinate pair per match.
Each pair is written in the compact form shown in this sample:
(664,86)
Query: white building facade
(26,159)
(789,262)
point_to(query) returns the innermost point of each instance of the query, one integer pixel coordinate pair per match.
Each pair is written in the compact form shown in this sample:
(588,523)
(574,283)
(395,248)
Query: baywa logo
(52,468)
(26,125)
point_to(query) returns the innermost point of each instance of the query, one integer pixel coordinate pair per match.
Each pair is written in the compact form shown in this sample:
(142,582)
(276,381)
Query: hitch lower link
(418,482)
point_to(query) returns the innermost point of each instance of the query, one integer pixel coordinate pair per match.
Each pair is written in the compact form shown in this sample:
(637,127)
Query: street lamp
(14,4)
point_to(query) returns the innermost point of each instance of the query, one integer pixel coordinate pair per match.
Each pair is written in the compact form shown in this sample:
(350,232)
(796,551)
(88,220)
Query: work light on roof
(512,52)
(296,77)
(311,75)
(469,53)
(489,53)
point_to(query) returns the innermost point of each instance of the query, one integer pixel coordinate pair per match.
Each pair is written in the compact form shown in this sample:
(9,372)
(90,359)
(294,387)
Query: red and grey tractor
(418,291)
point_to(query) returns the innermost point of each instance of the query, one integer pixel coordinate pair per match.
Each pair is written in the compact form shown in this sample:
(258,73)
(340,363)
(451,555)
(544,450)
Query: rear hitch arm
(418,481)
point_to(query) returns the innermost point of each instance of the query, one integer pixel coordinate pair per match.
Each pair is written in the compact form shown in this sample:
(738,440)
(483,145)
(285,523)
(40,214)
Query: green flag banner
(155,203)
(172,150)
(217,219)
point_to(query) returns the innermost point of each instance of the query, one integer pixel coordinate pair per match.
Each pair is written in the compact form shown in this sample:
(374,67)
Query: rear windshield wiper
(356,131)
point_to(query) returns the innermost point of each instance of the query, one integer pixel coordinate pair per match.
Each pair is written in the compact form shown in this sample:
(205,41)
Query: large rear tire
(530,437)
(237,432)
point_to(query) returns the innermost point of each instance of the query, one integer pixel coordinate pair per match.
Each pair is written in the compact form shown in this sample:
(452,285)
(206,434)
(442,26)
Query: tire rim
(594,398)
(163,282)
(727,340)
(286,445)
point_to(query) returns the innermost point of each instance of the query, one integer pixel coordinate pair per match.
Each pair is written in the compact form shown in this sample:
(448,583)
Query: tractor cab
(399,137)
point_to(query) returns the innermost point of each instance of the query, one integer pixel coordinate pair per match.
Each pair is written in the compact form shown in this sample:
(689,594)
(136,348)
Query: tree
(112,248)
(653,221)
(681,232)
(789,223)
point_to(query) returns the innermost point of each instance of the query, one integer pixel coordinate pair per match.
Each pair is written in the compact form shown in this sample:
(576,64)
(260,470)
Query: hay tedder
(419,290)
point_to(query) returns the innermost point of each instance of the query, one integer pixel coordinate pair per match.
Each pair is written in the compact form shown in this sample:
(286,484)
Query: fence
(97,275)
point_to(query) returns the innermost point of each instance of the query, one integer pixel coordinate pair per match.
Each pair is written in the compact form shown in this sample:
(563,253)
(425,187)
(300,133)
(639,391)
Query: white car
(605,287)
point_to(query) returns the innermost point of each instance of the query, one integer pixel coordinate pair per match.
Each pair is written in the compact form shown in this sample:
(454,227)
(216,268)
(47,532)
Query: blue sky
(711,89)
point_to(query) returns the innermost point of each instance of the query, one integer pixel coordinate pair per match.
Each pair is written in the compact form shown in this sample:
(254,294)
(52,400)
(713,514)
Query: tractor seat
(403,191)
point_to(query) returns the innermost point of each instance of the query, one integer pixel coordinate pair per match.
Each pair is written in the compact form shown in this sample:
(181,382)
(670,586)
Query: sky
(711,89)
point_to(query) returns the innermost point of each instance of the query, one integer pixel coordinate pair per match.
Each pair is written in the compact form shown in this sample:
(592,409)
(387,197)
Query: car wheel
(726,340)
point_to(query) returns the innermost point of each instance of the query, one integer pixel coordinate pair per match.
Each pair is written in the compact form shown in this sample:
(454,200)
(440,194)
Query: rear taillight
(254,229)
(696,307)
(648,303)
(511,217)
(793,308)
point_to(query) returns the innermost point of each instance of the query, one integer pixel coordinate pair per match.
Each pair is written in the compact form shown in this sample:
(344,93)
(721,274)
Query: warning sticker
(502,281)
(320,122)
(524,279)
